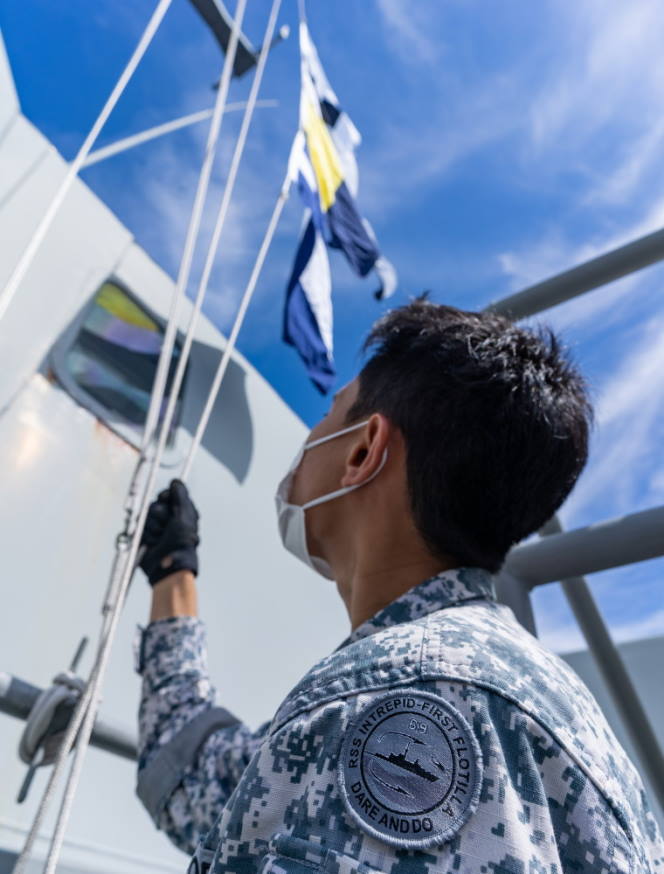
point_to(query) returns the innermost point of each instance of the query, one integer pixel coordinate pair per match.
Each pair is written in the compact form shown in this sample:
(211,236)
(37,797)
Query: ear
(366,453)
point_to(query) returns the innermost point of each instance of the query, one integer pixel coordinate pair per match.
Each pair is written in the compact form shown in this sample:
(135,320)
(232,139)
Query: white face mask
(291,517)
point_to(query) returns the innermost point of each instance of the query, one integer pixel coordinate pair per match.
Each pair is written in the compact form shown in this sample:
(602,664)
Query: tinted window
(113,358)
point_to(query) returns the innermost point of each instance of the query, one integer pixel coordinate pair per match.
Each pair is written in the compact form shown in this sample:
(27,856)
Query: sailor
(440,736)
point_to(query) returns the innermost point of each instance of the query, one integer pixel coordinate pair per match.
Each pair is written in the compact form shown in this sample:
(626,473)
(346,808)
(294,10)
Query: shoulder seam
(442,675)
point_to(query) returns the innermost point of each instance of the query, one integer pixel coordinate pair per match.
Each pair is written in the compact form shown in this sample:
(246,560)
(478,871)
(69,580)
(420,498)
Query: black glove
(171,531)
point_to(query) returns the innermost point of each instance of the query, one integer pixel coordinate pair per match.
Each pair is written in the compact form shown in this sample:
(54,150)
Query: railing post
(513,592)
(614,673)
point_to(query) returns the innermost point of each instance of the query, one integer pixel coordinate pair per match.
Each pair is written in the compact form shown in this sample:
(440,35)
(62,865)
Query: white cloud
(641,154)
(584,95)
(636,382)
(568,638)
(408,27)
(608,67)
(624,472)
(626,451)
(553,253)
(656,485)
(417,149)
(440,115)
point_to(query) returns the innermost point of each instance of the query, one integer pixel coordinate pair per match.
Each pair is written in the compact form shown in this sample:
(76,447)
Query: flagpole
(302,10)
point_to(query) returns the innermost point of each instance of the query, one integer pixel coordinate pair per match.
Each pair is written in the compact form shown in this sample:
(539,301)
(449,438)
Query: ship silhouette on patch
(398,757)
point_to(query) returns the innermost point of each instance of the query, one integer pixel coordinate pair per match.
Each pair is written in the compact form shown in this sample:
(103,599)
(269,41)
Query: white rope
(70,737)
(112,618)
(85,713)
(83,717)
(10,290)
(302,12)
(37,238)
(192,234)
(89,712)
(88,722)
(239,319)
(161,130)
(216,234)
(67,743)
(90,702)
(53,780)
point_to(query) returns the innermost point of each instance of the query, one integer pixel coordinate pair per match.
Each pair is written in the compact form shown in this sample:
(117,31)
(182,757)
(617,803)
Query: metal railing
(566,557)
(585,277)
(17,698)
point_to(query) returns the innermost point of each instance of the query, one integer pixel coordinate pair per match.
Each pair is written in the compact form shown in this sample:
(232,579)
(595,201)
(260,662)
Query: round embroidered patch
(410,769)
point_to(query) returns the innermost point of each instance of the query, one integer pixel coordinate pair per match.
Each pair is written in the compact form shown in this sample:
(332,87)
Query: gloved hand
(171,532)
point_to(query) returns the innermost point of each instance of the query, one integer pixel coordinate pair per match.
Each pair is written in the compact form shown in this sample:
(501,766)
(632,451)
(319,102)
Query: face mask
(292,519)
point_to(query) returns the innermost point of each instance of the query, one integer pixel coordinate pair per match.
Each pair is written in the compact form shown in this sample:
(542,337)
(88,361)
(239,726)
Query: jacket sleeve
(191,753)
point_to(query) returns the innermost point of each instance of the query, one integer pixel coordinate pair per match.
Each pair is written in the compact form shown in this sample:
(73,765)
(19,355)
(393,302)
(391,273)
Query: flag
(327,177)
(308,311)
(331,140)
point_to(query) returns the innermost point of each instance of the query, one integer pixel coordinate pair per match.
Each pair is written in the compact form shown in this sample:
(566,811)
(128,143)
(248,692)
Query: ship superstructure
(82,336)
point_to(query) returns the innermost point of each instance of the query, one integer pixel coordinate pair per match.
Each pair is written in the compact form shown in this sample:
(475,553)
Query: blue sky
(501,144)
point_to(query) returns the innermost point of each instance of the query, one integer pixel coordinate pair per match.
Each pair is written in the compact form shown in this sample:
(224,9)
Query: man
(440,736)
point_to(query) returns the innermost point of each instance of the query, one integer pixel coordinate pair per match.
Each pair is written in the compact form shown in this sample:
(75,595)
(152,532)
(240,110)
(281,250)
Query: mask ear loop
(332,495)
(335,435)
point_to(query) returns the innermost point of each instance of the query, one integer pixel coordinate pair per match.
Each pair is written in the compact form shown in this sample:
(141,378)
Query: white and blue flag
(327,177)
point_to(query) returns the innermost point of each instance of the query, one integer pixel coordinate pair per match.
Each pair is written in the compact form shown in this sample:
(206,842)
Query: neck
(373,586)
(375,550)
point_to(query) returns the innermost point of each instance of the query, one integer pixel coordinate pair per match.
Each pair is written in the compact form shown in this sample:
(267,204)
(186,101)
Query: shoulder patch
(410,769)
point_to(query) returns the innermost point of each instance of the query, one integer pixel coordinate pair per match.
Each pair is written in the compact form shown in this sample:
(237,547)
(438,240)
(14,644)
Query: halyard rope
(126,568)
(219,226)
(151,422)
(127,548)
(246,298)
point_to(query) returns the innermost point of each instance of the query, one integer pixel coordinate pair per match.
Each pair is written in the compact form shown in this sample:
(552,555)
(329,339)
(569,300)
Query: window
(108,361)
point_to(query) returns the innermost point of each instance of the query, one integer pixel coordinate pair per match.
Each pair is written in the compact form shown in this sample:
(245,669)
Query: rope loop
(49,719)
(46,723)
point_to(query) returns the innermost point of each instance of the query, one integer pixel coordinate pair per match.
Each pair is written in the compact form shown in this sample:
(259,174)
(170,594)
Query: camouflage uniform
(439,737)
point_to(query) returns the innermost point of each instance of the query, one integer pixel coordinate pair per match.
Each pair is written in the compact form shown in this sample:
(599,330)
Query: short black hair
(495,418)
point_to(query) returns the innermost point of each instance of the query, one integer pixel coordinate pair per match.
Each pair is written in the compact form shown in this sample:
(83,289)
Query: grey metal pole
(161,130)
(571,283)
(612,668)
(515,593)
(597,547)
(18,697)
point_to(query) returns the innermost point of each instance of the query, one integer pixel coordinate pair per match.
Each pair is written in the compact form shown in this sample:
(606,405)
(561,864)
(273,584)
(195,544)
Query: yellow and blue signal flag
(327,178)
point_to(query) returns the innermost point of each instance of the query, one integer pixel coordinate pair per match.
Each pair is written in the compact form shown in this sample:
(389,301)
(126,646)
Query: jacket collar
(345,672)
(446,589)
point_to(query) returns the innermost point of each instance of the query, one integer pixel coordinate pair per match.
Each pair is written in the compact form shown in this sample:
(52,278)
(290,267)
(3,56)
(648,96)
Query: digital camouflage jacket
(439,737)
